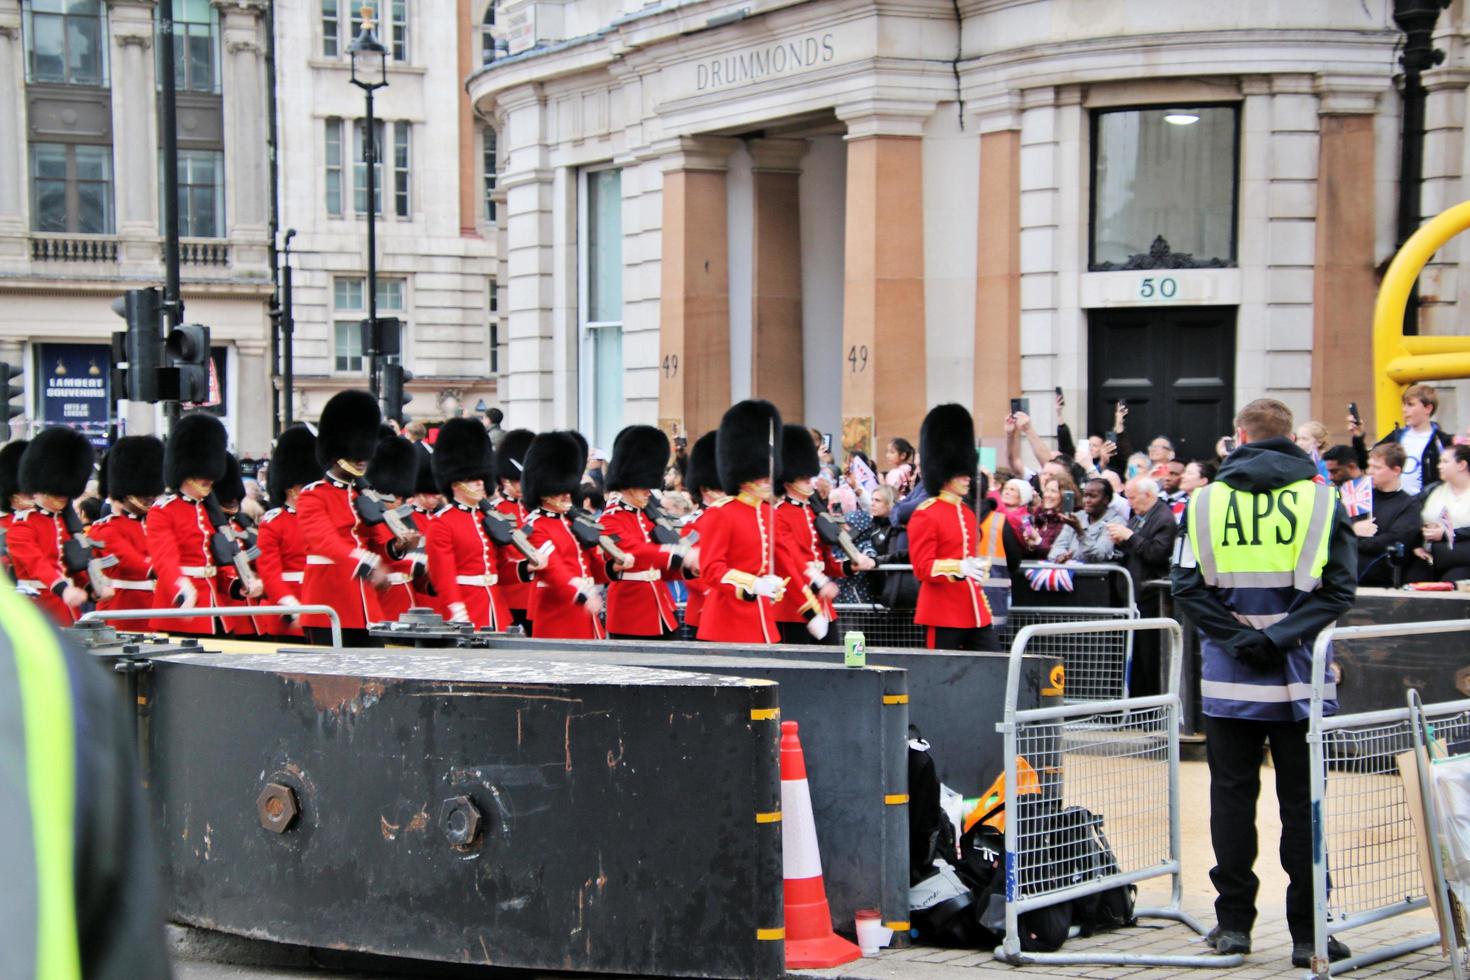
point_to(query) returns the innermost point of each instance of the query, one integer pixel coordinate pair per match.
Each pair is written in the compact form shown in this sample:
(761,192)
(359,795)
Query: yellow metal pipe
(1412,369)
(1388,312)
(1436,345)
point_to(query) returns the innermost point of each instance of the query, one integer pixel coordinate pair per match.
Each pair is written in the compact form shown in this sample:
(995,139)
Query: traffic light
(143,310)
(385,340)
(395,399)
(186,351)
(12,394)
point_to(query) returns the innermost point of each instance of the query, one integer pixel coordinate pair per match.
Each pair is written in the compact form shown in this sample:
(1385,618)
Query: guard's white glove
(185,595)
(458,613)
(768,586)
(975,569)
(817,626)
(290,600)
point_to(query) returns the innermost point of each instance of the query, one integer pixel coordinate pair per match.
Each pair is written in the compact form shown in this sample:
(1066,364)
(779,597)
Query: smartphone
(1353,411)
(1020,405)
(1069,501)
(1229,445)
(1110,436)
(681,443)
(1061,398)
(1122,403)
(826,442)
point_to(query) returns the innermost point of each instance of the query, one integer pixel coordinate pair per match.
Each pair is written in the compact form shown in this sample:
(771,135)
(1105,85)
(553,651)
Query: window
(497,359)
(196,46)
(201,193)
(359,167)
(71,188)
(400,170)
(331,28)
(487,35)
(601,288)
(1164,188)
(349,304)
(66,42)
(489,164)
(334,167)
(393,34)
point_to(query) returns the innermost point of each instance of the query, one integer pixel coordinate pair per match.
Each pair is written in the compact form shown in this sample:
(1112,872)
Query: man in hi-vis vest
(1267,561)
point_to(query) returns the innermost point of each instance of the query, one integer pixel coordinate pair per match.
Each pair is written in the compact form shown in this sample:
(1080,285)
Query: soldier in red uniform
(738,551)
(234,587)
(12,501)
(427,501)
(702,481)
(510,457)
(806,614)
(392,475)
(343,568)
(566,603)
(639,604)
(282,560)
(462,557)
(132,478)
(944,542)
(178,525)
(55,468)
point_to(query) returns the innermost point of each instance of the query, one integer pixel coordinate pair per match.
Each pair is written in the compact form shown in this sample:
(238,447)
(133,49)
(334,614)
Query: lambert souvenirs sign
(769,61)
(74,387)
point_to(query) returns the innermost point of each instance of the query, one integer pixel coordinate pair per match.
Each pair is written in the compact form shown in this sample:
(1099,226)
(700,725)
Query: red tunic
(941,533)
(281,566)
(5,521)
(638,601)
(232,593)
(462,563)
(554,606)
(698,586)
(123,536)
(797,546)
(338,543)
(34,540)
(425,596)
(517,593)
(733,550)
(398,598)
(178,538)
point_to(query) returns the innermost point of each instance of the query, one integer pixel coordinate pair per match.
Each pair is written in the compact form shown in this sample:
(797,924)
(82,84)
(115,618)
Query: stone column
(694,315)
(135,135)
(14,179)
(252,380)
(1344,281)
(883,366)
(247,172)
(776,337)
(998,273)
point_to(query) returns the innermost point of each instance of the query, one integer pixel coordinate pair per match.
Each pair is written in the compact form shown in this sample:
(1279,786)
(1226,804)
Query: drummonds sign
(768,61)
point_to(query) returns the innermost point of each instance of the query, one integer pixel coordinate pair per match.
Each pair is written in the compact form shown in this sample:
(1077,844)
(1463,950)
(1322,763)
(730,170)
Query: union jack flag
(1049,579)
(1357,496)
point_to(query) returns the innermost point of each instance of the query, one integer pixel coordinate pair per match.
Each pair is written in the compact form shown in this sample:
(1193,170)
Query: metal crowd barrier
(172,612)
(1118,759)
(1365,864)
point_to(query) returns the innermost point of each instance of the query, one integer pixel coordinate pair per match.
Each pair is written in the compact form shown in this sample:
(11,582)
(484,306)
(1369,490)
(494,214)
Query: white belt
(399,578)
(647,575)
(485,580)
(197,571)
(319,560)
(293,576)
(33,584)
(145,586)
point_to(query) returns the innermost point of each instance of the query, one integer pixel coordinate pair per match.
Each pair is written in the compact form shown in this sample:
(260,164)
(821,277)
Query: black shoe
(1228,942)
(1301,953)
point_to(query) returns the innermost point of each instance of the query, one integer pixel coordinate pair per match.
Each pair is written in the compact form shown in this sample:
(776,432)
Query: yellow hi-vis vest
(1275,539)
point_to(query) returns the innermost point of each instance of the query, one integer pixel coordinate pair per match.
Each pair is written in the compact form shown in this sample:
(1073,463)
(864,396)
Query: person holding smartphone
(1423,440)
(1084,536)
(1048,522)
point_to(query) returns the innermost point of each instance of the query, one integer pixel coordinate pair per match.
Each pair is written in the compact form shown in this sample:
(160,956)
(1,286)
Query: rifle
(589,533)
(225,544)
(833,532)
(77,554)
(666,532)
(504,531)
(372,508)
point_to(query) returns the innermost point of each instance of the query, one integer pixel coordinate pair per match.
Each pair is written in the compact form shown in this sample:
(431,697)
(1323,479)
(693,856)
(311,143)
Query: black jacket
(1147,552)
(1398,519)
(1253,468)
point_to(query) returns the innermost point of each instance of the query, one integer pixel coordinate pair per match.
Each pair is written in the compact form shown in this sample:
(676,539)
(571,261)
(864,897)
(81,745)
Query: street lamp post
(369,73)
(288,333)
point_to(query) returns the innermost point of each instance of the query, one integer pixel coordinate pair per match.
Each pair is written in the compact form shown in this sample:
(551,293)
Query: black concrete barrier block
(552,816)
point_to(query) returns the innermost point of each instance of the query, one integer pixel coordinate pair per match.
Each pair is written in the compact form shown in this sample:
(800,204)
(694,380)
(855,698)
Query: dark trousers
(1235,749)
(519,618)
(962,638)
(638,636)
(797,633)
(321,636)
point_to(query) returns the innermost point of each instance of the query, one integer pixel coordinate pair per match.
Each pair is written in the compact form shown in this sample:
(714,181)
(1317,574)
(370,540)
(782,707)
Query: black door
(1175,367)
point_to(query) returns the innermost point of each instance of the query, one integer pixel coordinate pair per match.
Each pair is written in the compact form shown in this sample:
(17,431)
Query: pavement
(200,955)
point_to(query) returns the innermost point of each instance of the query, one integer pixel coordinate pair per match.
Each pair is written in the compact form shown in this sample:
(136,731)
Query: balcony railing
(208,251)
(73,248)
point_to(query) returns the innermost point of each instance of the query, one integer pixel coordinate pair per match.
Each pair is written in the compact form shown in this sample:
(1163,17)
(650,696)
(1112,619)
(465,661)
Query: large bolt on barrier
(277,807)
(459,818)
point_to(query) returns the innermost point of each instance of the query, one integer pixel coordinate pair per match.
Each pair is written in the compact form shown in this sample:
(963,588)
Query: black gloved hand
(1256,650)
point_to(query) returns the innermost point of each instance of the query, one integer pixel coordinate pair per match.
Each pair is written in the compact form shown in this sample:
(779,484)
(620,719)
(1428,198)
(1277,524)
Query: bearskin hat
(743,448)
(349,427)
(798,455)
(195,449)
(230,488)
(58,461)
(462,452)
(293,463)
(639,457)
(554,464)
(700,471)
(510,457)
(424,480)
(10,455)
(947,446)
(394,468)
(132,468)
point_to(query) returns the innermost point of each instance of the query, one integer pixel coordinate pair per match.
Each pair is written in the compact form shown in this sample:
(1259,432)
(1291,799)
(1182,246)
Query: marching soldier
(282,561)
(462,558)
(944,542)
(55,468)
(639,604)
(178,526)
(566,603)
(343,569)
(427,501)
(393,475)
(702,481)
(132,478)
(739,565)
(12,501)
(237,582)
(510,457)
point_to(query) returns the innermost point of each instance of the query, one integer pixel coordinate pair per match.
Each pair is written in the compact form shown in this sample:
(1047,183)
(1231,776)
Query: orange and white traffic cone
(810,941)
